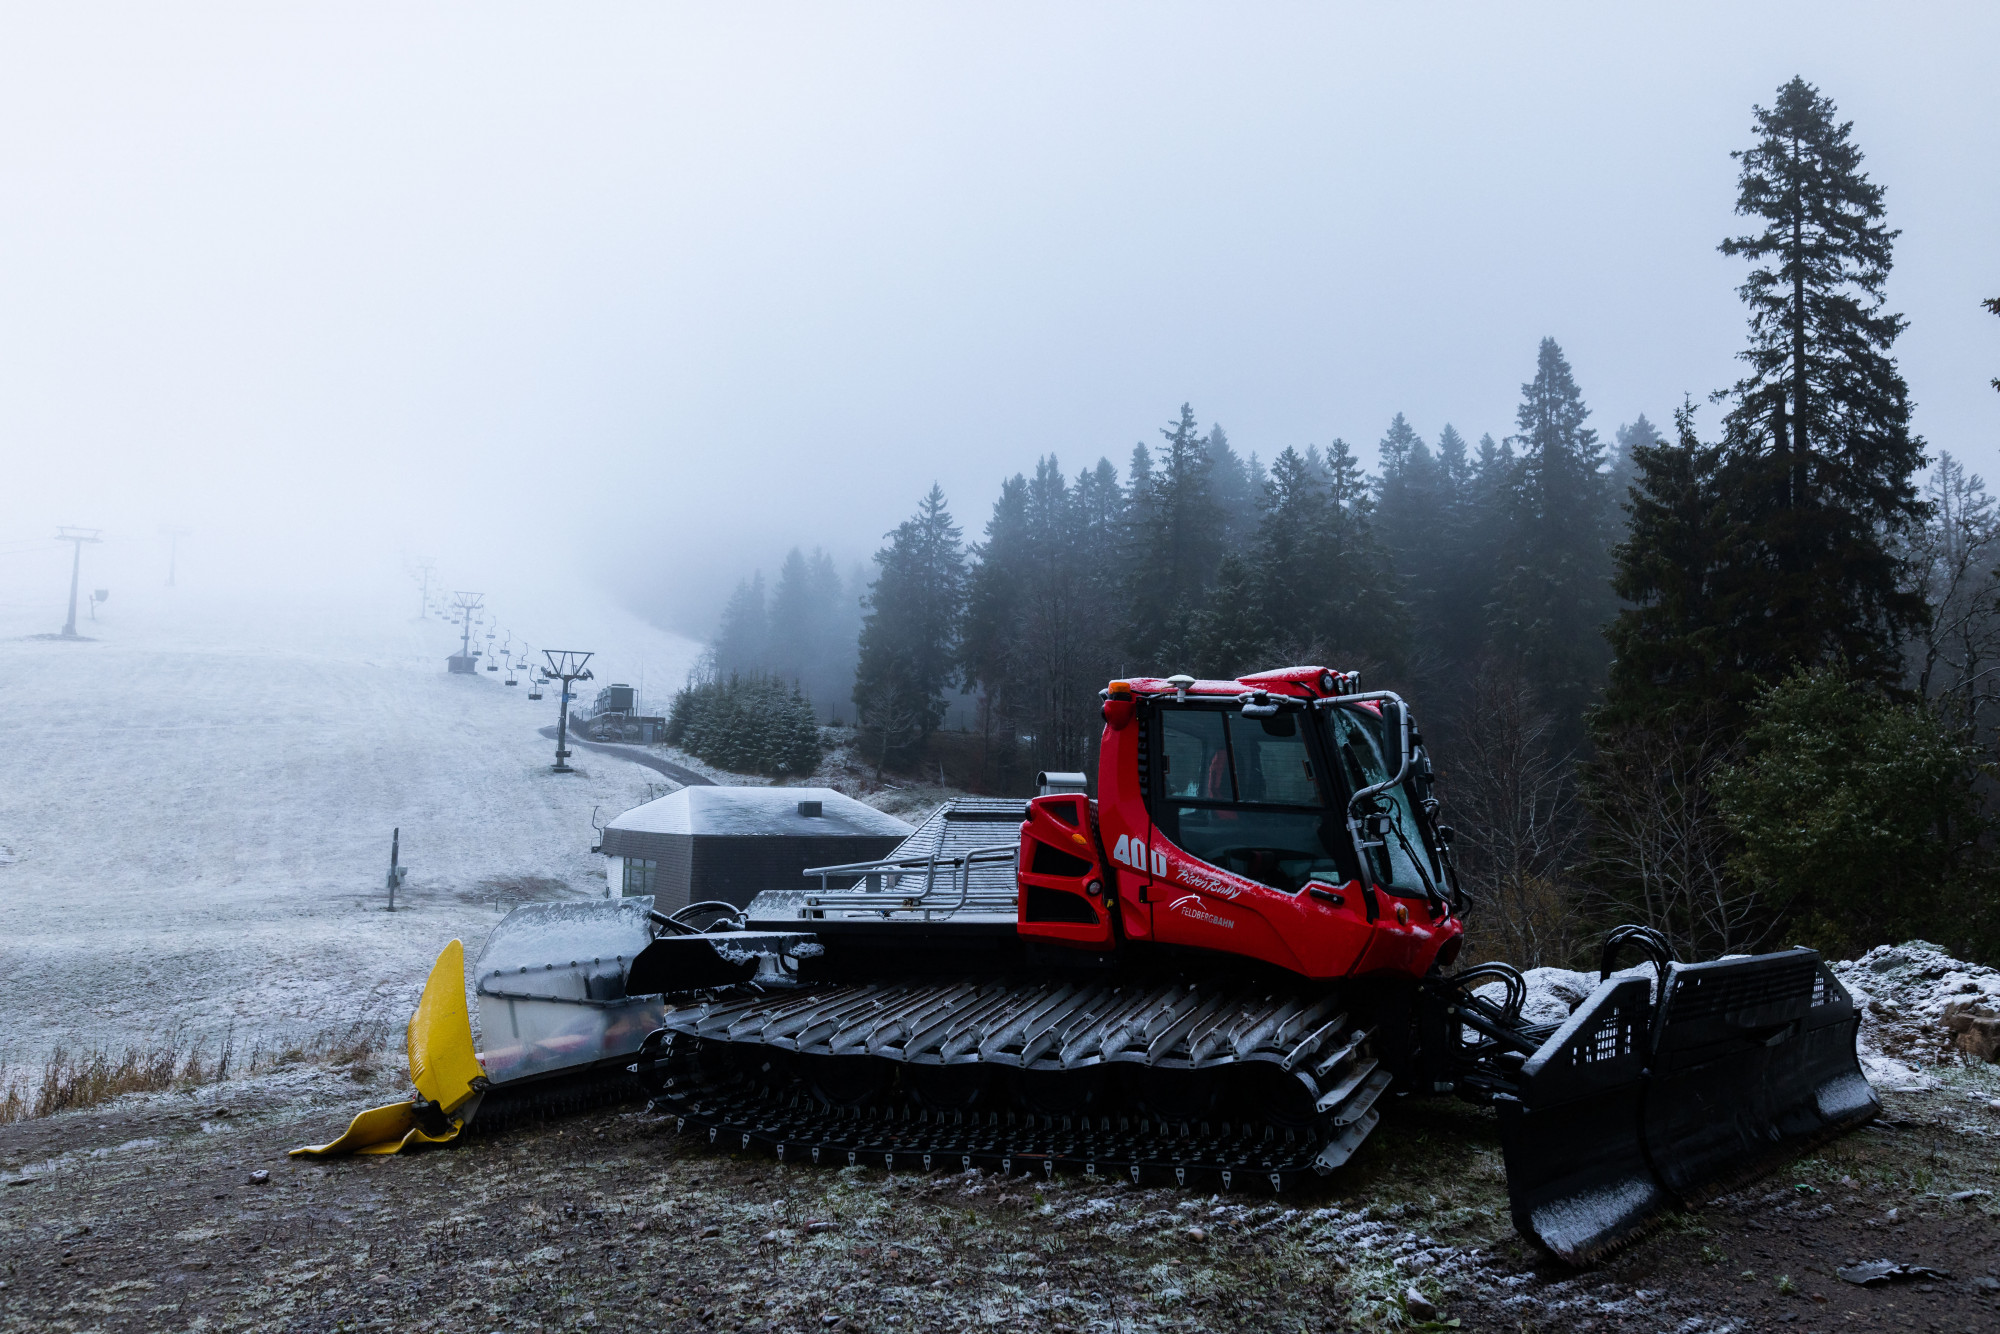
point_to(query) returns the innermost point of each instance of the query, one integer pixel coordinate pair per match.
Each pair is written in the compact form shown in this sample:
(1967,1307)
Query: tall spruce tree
(1818,457)
(1553,597)
(1671,664)
(1233,482)
(742,638)
(909,641)
(1321,587)
(1414,516)
(830,671)
(1453,623)
(1176,544)
(792,636)
(994,592)
(1635,434)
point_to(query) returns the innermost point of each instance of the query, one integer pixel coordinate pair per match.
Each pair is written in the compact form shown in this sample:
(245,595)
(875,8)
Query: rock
(260,1177)
(711,1231)
(1197,1234)
(1976,1029)
(829,1320)
(1875,1273)
(1985,1283)
(1888,960)
(1417,1306)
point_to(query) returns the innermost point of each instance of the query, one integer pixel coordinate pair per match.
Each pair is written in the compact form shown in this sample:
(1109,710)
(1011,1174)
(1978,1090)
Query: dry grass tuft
(69,1081)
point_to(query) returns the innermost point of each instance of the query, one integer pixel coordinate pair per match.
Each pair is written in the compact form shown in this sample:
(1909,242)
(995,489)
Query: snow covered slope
(198,806)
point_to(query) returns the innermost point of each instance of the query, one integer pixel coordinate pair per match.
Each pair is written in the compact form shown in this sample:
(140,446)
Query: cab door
(1241,826)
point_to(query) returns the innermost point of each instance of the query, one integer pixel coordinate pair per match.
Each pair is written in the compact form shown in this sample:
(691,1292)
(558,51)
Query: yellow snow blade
(443,1066)
(378,1130)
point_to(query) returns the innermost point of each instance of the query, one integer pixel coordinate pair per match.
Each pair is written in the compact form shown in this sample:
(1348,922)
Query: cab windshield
(1364,761)
(1247,795)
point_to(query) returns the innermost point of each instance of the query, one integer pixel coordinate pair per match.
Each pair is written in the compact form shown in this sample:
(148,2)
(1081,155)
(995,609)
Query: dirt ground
(144,1215)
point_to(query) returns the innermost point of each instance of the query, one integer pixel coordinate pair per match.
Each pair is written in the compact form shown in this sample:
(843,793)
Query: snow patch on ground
(1554,993)
(200,805)
(1902,991)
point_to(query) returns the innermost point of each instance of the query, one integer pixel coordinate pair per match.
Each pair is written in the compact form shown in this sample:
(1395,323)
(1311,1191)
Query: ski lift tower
(78,536)
(465,662)
(566,666)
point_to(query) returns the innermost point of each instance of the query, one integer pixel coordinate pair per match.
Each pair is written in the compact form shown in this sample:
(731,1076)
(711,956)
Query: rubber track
(1173,1030)
(745,1117)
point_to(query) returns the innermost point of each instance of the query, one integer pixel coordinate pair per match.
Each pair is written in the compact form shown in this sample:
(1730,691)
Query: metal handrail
(870,899)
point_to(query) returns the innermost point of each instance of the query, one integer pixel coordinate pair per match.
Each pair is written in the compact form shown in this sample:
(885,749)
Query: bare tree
(1661,845)
(1516,802)
(889,718)
(1953,560)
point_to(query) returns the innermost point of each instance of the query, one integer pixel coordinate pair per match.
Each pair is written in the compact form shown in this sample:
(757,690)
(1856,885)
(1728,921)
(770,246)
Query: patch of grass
(1688,1224)
(70,1080)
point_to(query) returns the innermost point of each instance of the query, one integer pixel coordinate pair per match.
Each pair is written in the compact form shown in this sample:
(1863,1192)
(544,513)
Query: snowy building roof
(739,812)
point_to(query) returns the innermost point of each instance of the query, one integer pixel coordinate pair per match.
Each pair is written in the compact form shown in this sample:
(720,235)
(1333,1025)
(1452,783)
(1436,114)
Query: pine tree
(909,649)
(1412,511)
(792,636)
(1368,615)
(993,603)
(1633,435)
(742,638)
(1055,667)
(1818,453)
(1176,532)
(1671,665)
(746,724)
(829,671)
(1321,587)
(1453,624)
(1553,596)
(1233,483)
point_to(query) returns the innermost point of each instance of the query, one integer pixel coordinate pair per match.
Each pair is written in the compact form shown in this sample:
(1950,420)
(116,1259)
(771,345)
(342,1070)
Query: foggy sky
(643,294)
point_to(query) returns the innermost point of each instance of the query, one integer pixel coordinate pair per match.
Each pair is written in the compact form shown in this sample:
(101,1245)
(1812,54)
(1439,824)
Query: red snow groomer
(1218,973)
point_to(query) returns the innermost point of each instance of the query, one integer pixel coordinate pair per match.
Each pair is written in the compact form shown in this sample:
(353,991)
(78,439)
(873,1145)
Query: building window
(640,876)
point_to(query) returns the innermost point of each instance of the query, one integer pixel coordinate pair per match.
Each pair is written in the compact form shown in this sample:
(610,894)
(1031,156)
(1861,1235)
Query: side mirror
(1396,732)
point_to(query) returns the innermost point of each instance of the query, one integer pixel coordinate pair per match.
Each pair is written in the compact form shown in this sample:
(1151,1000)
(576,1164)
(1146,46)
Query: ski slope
(199,802)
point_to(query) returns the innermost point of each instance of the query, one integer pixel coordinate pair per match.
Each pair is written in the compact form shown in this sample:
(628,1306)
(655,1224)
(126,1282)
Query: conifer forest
(1734,673)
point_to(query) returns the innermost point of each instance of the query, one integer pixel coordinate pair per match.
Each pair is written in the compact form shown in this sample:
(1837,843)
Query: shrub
(1853,812)
(747,724)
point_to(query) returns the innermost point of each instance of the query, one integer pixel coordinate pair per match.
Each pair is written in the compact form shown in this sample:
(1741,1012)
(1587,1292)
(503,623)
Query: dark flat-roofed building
(732,843)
